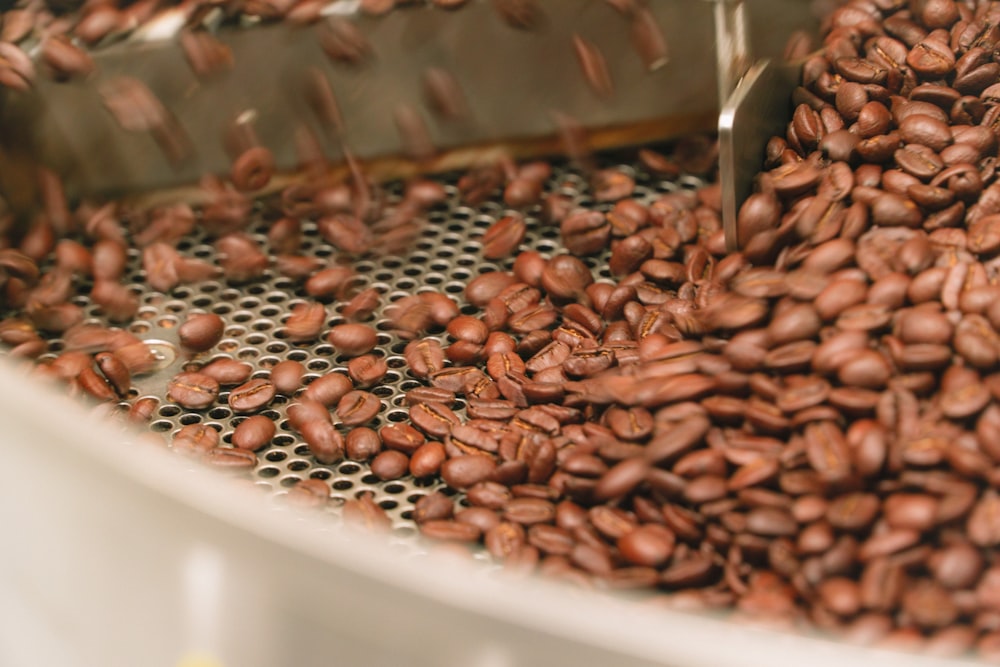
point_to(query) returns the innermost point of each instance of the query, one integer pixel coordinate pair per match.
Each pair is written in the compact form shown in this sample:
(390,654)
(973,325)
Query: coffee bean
(227,371)
(305,322)
(367,370)
(434,419)
(528,511)
(309,493)
(503,237)
(465,471)
(230,458)
(358,407)
(427,459)
(252,396)
(287,376)
(353,340)
(362,444)
(328,389)
(390,464)
(194,391)
(254,433)
(984,523)
(324,441)
(585,232)
(593,65)
(195,440)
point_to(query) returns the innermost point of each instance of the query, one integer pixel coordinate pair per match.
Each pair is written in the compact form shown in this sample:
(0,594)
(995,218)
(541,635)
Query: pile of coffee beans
(805,432)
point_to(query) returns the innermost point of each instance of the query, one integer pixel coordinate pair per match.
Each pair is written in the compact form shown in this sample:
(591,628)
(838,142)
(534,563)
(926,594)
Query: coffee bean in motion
(353,340)
(201,332)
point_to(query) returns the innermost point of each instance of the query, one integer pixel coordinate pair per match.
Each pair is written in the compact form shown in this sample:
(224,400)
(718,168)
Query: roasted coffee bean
(365,513)
(463,472)
(305,322)
(309,493)
(195,440)
(353,340)
(401,437)
(434,419)
(362,444)
(367,370)
(194,391)
(254,433)
(424,357)
(230,458)
(287,376)
(325,442)
(328,389)
(227,371)
(585,232)
(390,464)
(252,396)
(143,408)
(114,372)
(528,511)
(358,407)
(503,237)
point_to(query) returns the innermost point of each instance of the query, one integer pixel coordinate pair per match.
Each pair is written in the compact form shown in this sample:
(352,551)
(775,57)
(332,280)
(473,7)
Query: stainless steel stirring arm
(627,78)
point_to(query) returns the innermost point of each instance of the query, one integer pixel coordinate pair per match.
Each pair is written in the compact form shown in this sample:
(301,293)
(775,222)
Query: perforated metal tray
(444,258)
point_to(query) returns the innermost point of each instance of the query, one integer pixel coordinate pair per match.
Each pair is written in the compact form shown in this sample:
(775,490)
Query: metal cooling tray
(118,554)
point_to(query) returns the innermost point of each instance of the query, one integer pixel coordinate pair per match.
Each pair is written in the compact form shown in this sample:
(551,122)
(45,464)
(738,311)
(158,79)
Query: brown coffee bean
(853,511)
(230,458)
(983,525)
(434,419)
(401,437)
(367,370)
(795,323)
(305,322)
(252,396)
(931,58)
(486,286)
(465,471)
(254,433)
(195,391)
(195,440)
(647,545)
(328,282)
(528,511)
(427,459)
(503,237)
(840,595)
(328,389)
(565,277)
(325,442)
(227,371)
(358,407)
(390,464)
(114,372)
(287,376)
(585,232)
(957,566)
(353,340)
(362,444)
(309,493)
(468,329)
